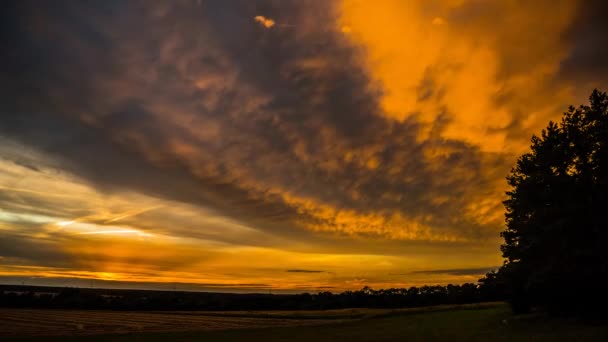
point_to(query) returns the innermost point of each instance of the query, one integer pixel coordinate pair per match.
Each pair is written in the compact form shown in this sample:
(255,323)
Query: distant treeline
(112,299)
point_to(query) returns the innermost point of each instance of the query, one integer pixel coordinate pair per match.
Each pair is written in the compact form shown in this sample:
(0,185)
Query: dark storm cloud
(20,249)
(588,37)
(304,271)
(109,284)
(459,271)
(198,103)
(26,164)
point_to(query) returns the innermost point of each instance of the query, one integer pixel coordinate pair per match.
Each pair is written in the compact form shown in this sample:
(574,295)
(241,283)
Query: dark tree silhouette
(556,241)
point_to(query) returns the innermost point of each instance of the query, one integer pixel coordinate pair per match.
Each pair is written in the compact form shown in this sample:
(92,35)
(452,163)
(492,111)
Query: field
(477,322)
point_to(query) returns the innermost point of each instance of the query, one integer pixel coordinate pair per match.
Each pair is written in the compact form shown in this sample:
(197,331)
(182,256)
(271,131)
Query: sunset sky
(275,145)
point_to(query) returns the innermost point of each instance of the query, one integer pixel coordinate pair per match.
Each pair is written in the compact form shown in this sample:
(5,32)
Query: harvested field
(475,322)
(47,322)
(33,322)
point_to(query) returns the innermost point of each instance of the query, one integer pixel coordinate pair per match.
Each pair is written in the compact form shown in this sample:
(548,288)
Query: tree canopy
(555,242)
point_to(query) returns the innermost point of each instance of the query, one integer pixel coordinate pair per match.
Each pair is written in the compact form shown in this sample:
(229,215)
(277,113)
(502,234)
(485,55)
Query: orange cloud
(454,60)
(266,22)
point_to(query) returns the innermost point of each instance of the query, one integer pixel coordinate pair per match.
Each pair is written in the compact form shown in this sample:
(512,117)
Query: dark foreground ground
(478,322)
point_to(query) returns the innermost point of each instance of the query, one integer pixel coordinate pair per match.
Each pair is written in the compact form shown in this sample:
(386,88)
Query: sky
(295,146)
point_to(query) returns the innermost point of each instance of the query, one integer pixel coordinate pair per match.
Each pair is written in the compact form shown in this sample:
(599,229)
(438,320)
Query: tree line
(86,298)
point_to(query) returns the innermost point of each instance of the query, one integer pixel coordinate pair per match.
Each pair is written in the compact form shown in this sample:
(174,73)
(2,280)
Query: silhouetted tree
(492,287)
(555,243)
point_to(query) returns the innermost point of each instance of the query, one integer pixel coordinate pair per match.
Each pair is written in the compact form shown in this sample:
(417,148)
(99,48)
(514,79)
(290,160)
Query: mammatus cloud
(285,139)
(364,129)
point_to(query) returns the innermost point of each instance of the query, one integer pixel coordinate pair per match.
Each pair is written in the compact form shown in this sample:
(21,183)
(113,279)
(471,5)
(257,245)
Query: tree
(491,287)
(555,243)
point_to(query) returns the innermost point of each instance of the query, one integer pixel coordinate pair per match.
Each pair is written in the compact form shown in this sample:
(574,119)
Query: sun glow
(64,223)
(118,232)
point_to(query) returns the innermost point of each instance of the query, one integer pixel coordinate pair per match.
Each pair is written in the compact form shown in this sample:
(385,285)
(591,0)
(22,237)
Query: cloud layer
(317,127)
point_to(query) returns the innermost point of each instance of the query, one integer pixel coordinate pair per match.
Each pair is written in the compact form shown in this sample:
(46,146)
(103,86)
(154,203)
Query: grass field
(485,322)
